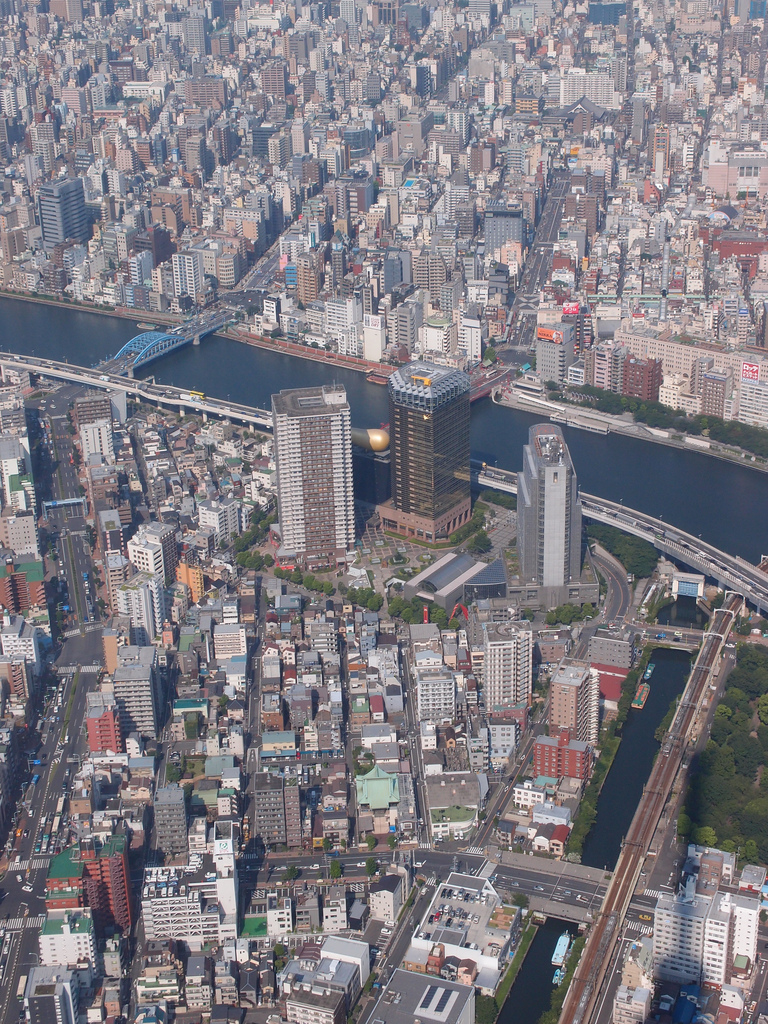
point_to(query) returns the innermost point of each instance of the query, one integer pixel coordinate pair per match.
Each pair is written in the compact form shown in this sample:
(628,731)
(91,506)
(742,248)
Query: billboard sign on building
(570,309)
(750,371)
(550,334)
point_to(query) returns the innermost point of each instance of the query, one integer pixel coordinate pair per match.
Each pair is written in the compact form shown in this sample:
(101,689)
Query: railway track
(584,990)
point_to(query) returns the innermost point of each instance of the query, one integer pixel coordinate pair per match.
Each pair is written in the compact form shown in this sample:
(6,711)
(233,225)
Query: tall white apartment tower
(313,454)
(507,665)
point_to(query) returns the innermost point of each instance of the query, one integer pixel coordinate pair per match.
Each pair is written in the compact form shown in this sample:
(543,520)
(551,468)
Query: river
(529,996)
(705,496)
(716,499)
(632,765)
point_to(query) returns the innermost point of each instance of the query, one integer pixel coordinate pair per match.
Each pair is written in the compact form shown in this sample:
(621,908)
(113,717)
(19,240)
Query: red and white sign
(750,371)
(570,309)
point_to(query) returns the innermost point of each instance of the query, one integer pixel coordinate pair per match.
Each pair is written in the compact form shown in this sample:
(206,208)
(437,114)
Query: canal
(529,996)
(631,767)
(687,489)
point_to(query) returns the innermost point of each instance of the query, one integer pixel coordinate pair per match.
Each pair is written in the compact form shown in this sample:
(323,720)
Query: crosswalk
(425,846)
(90,627)
(640,929)
(71,669)
(35,864)
(15,924)
(653,893)
(476,851)
(432,880)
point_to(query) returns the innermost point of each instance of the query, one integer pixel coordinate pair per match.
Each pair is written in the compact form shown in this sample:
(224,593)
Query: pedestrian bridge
(730,571)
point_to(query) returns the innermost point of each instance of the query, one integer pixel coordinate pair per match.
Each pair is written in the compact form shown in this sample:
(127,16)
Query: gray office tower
(502,224)
(61,208)
(171,821)
(549,518)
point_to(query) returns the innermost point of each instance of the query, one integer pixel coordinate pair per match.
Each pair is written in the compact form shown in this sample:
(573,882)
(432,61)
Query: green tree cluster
(309,582)
(413,611)
(637,556)
(500,498)
(568,613)
(727,800)
(740,435)
(256,533)
(254,560)
(476,522)
(365,597)
(479,543)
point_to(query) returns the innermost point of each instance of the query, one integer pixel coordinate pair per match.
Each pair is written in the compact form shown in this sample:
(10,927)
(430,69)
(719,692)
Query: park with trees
(727,801)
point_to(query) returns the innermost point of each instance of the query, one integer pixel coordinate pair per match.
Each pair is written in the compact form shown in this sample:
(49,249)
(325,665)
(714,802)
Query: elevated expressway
(730,571)
(163,395)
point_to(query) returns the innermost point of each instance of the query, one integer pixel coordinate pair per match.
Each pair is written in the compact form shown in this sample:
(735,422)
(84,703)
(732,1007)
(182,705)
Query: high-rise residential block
(137,689)
(507,666)
(575,701)
(436,695)
(188,273)
(313,455)
(142,599)
(153,550)
(94,873)
(269,808)
(96,439)
(103,723)
(429,434)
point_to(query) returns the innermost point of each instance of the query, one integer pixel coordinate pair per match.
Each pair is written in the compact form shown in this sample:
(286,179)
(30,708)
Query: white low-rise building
(67,937)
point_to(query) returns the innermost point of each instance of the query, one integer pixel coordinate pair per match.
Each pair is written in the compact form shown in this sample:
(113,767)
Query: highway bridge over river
(108,377)
(730,571)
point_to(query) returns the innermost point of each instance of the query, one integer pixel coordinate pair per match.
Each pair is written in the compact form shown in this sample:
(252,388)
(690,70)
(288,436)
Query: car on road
(361,864)
(314,867)
(539,888)
(27,888)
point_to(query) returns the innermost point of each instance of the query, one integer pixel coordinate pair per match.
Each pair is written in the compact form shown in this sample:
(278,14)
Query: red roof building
(95,875)
(559,757)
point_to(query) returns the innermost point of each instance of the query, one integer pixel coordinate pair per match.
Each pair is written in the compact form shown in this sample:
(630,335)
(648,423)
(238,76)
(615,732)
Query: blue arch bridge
(150,345)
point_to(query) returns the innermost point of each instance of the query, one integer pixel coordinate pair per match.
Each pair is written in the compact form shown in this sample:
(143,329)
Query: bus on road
(22,987)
